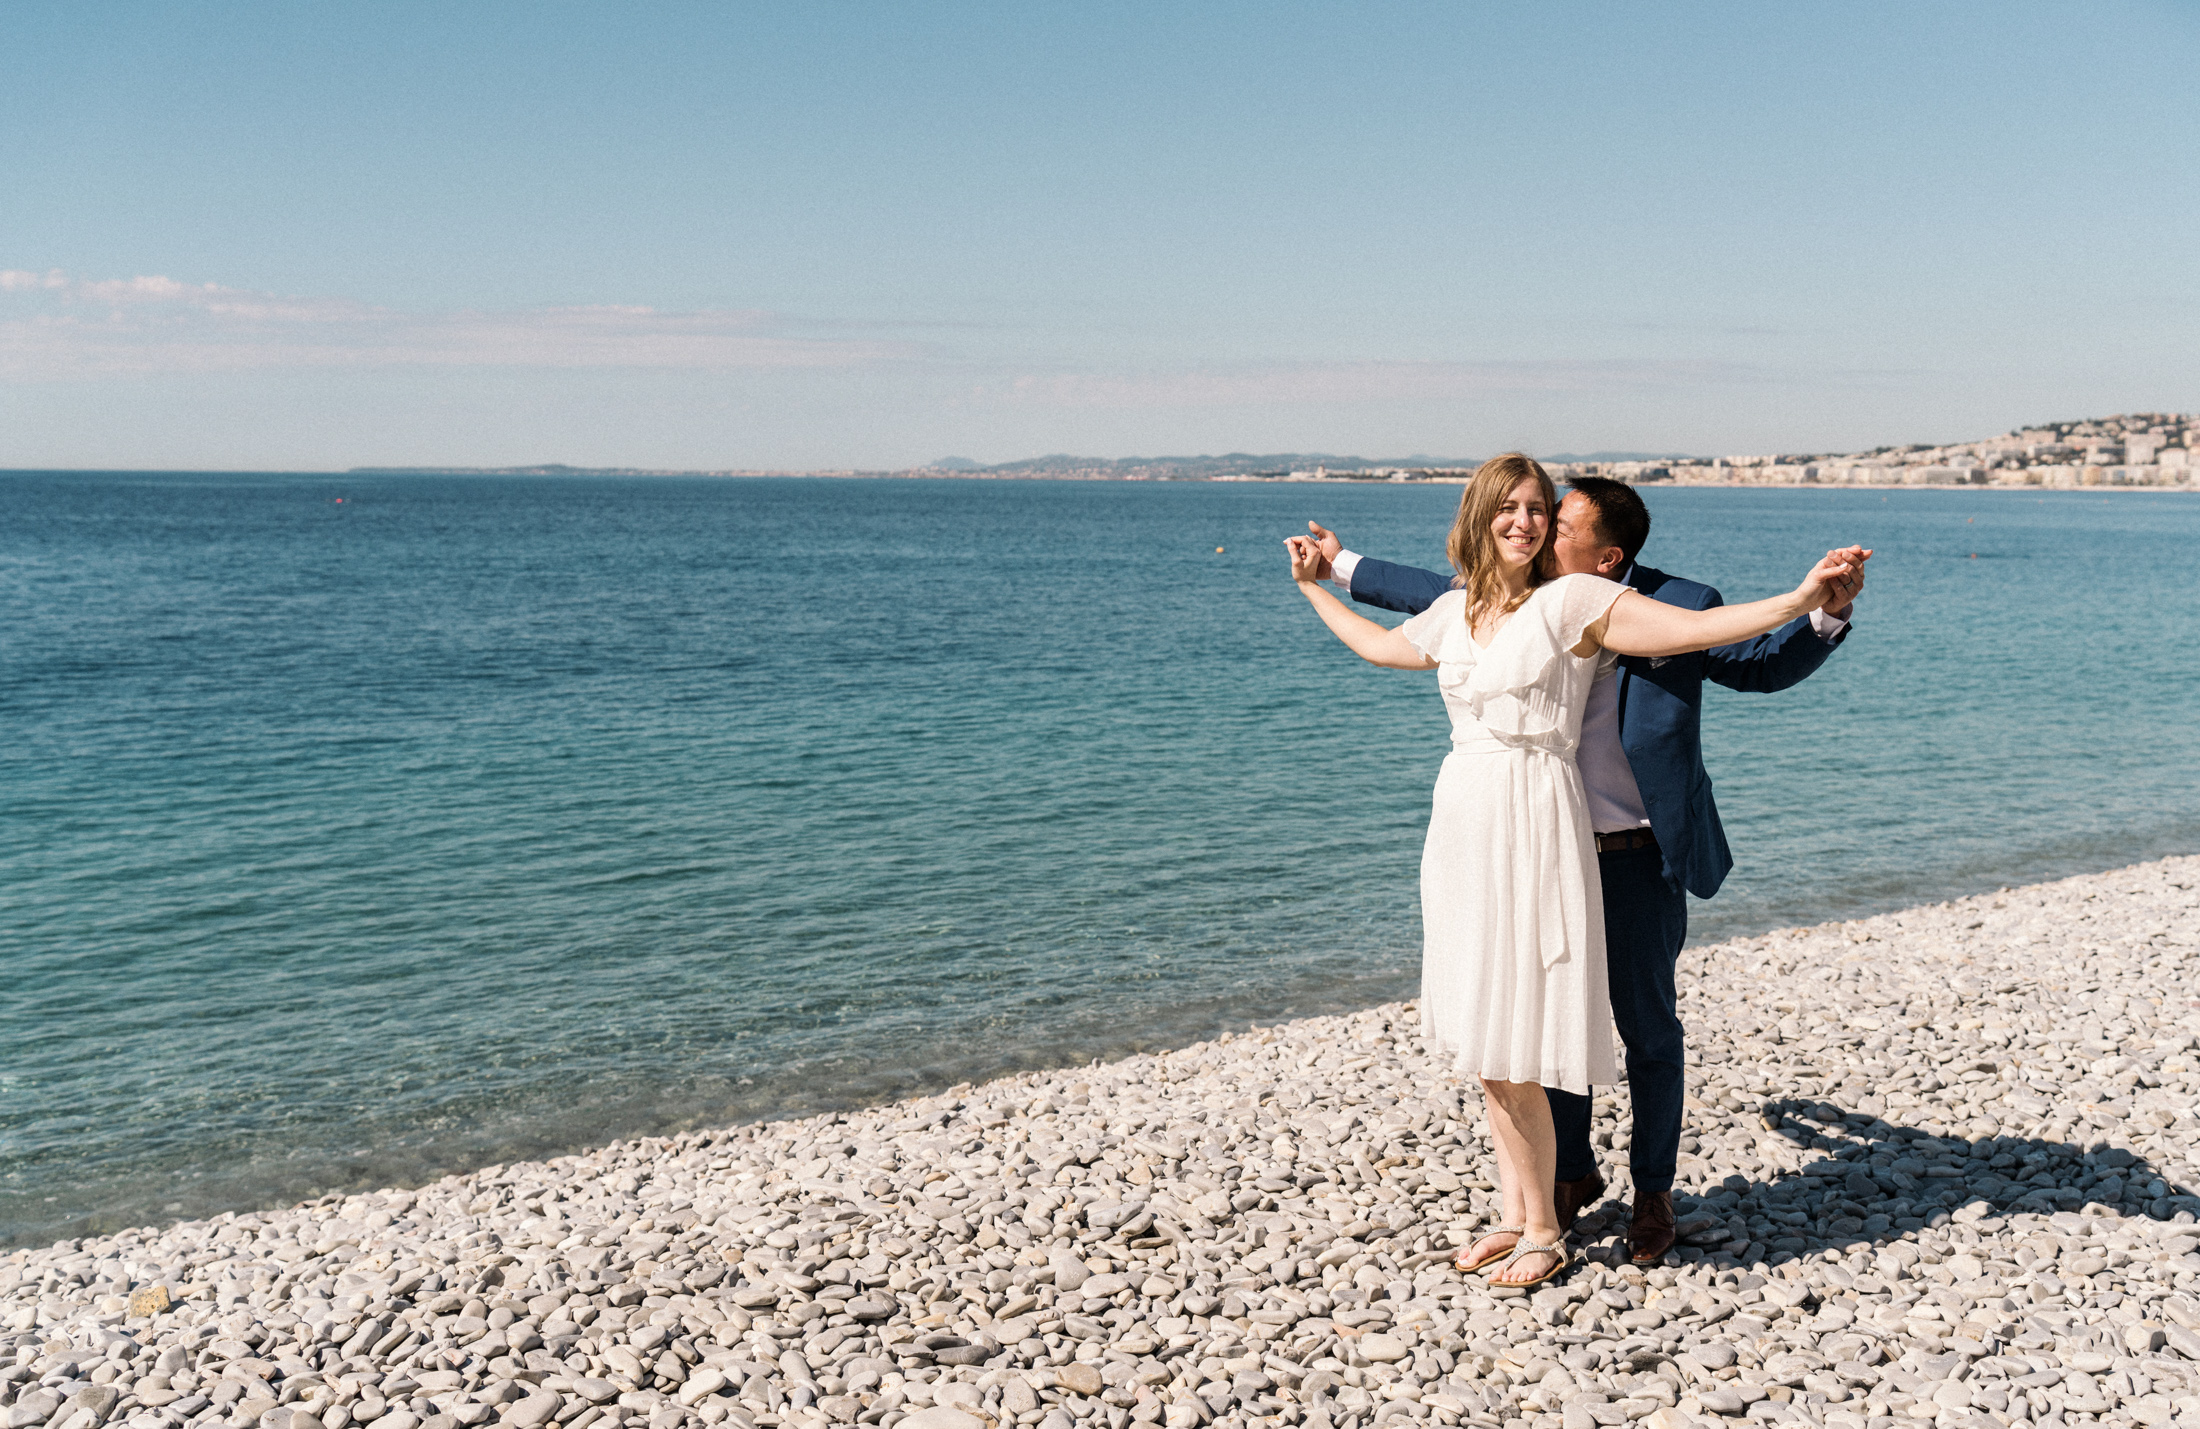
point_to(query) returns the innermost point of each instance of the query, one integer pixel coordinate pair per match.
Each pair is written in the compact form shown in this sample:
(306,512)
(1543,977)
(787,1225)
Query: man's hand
(1325,543)
(1841,597)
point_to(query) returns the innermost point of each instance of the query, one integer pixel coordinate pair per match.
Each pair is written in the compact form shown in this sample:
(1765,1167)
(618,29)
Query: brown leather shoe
(1651,1235)
(1573,1197)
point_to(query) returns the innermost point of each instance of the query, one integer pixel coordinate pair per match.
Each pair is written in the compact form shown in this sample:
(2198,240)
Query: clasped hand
(1308,564)
(1837,580)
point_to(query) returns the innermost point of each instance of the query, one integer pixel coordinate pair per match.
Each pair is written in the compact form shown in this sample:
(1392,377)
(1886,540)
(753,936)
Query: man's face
(1582,549)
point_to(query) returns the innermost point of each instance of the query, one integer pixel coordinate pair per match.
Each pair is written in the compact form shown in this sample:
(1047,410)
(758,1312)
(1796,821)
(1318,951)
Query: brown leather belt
(1626,839)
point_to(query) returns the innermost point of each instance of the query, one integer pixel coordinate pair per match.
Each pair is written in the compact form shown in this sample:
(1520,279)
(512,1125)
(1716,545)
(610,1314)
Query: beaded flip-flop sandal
(1557,1252)
(1467,1267)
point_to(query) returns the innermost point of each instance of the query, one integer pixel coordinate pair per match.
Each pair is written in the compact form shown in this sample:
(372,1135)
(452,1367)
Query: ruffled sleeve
(1581,604)
(1440,632)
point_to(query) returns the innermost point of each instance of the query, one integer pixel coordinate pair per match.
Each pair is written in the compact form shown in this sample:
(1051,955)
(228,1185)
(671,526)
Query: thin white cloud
(53,326)
(16,280)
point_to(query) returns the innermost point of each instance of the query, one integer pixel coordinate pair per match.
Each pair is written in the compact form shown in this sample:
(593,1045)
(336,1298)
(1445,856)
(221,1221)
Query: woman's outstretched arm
(1638,625)
(1371,642)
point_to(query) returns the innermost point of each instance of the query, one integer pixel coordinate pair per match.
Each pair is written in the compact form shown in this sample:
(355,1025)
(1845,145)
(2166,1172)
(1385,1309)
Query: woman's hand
(1306,559)
(1366,639)
(1827,583)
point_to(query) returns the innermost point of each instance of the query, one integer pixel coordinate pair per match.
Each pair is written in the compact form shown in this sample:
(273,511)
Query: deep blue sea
(358,829)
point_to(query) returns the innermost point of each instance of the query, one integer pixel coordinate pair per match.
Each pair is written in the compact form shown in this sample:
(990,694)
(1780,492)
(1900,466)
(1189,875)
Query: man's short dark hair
(1622,519)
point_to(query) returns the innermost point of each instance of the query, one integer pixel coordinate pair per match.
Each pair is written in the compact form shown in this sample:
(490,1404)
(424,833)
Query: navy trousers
(1645,921)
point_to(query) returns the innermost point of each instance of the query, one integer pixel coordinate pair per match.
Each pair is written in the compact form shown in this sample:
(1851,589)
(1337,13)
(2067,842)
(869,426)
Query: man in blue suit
(1657,831)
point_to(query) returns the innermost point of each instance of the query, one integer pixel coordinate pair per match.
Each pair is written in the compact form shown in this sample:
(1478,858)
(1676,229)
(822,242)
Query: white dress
(1512,953)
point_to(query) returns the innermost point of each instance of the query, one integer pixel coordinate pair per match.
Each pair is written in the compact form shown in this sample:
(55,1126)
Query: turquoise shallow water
(348,842)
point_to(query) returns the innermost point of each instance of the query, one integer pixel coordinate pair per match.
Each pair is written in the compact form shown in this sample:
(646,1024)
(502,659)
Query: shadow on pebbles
(1938,1168)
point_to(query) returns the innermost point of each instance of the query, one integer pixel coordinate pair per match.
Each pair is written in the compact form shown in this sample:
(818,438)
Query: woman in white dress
(1513,987)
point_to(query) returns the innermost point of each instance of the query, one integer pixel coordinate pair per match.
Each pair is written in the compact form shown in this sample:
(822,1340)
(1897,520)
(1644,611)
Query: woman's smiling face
(1522,524)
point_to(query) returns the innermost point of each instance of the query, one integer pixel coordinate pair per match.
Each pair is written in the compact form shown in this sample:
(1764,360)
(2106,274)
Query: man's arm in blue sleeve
(1396,587)
(1786,657)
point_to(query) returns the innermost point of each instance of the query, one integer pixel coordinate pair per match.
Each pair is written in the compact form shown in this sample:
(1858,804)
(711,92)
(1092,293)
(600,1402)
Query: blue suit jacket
(1660,706)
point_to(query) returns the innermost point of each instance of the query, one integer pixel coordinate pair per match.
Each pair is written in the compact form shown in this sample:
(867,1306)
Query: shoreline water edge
(1939,1167)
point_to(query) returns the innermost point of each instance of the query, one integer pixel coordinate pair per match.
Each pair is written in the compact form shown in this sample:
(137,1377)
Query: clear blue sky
(284,235)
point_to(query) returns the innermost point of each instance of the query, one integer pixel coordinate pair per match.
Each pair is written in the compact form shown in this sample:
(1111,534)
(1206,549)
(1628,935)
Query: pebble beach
(1939,1168)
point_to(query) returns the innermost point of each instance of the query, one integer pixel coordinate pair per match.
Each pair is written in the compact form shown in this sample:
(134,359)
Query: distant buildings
(2141,449)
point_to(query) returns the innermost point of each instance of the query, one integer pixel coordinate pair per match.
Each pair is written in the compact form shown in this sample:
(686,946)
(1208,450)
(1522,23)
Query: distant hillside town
(2140,449)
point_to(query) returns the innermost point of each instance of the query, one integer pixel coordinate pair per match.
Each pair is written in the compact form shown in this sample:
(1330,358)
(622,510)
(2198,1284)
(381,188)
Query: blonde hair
(1473,549)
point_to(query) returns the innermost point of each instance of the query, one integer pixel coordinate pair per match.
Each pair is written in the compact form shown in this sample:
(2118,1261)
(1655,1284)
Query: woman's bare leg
(1495,1242)
(1527,1158)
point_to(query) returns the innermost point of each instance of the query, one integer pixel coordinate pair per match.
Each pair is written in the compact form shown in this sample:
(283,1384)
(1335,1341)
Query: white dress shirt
(1615,801)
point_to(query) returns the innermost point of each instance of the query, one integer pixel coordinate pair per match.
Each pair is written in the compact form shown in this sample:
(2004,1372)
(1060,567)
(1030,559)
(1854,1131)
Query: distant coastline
(2154,450)
(2073,478)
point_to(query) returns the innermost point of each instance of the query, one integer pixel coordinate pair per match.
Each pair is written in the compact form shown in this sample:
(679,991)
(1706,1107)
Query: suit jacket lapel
(1626,672)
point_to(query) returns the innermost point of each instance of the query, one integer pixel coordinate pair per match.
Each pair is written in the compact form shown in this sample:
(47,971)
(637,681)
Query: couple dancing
(1570,816)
